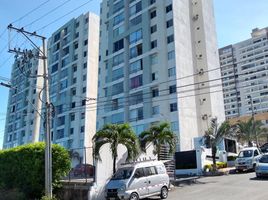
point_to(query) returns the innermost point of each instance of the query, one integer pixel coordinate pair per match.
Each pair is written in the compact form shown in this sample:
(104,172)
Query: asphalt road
(232,187)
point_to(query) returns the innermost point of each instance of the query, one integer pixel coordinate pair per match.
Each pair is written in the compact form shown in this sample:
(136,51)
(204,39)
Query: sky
(234,21)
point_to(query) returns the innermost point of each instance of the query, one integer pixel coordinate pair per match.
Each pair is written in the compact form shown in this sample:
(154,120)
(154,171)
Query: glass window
(153,29)
(155,110)
(171,72)
(172,89)
(150,171)
(135,9)
(169,23)
(135,66)
(117,74)
(169,8)
(135,21)
(118,45)
(171,55)
(117,118)
(119,18)
(153,14)
(136,51)
(170,39)
(174,126)
(119,30)
(136,98)
(135,36)
(136,82)
(117,88)
(173,107)
(118,59)
(153,44)
(136,114)
(123,173)
(155,92)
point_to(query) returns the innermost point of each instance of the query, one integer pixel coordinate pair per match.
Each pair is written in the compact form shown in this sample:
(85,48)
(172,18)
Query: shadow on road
(259,179)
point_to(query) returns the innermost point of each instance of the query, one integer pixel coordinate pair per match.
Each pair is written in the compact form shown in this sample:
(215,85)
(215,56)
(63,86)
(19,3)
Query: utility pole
(253,120)
(40,55)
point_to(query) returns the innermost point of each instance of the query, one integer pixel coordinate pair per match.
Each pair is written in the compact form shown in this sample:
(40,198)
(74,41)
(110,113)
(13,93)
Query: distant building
(73,69)
(244,69)
(22,119)
(157,62)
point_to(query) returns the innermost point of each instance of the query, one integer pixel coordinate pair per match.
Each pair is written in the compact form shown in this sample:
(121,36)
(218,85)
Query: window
(118,88)
(117,74)
(169,23)
(60,134)
(173,107)
(136,51)
(135,9)
(169,8)
(118,6)
(172,89)
(155,110)
(152,1)
(118,59)
(171,72)
(86,42)
(135,36)
(153,29)
(150,171)
(54,68)
(136,82)
(73,105)
(154,76)
(61,121)
(119,30)
(171,55)
(136,114)
(72,116)
(118,45)
(135,66)
(136,98)
(139,172)
(153,44)
(170,39)
(82,129)
(153,14)
(119,18)
(155,92)
(135,21)
(76,45)
(85,53)
(117,118)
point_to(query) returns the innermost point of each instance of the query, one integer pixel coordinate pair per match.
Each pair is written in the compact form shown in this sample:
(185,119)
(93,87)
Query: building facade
(73,70)
(244,68)
(23,118)
(159,62)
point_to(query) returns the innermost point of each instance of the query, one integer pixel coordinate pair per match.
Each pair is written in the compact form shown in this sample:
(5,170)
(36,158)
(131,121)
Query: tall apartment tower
(159,62)
(73,69)
(244,68)
(22,119)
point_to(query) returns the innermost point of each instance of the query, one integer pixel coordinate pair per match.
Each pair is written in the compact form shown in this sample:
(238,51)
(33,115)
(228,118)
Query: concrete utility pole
(253,118)
(41,55)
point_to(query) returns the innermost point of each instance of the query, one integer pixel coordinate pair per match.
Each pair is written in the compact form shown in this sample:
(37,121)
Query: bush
(219,165)
(47,198)
(13,194)
(23,168)
(231,158)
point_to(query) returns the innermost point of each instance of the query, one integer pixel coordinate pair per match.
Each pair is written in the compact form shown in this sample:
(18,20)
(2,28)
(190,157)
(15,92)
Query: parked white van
(138,180)
(247,159)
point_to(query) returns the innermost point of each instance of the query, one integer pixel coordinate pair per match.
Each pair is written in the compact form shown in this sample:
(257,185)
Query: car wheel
(164,193)
(134,196)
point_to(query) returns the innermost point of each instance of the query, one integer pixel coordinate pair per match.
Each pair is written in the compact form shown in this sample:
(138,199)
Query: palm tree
(115,134)
(160,134)
(250,130)
(216,134)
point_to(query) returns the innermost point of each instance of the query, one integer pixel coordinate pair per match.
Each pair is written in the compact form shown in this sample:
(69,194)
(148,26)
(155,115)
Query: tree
(215,134)
(23,168)
(250,131)
(114,135)
(159,134)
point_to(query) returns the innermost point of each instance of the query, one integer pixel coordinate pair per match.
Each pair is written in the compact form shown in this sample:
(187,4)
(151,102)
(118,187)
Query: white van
(247,159)
(138,180)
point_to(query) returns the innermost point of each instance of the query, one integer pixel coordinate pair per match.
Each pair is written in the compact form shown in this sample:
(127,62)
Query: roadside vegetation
(22,174)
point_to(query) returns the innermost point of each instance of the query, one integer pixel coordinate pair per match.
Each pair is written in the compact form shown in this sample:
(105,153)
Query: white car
(139,180)
(247,159)
(262,167)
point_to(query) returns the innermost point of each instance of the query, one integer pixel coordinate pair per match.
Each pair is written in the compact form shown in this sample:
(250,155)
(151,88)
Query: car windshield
(123,173)
(245,154)
(264,159)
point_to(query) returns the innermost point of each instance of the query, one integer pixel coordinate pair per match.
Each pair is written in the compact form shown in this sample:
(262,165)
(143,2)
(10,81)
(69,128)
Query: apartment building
(244,68)
(159,62)
(23,118)
(73,70)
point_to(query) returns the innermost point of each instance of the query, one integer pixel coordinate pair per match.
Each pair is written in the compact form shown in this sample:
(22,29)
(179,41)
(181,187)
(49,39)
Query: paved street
(233,187)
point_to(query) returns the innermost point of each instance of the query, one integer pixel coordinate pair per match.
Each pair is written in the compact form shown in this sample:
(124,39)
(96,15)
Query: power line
(63,16)
(31,11)
(46,14)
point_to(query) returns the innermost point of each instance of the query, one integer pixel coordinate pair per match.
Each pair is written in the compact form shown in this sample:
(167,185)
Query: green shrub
(47,198)
(231,158)
(13,194)
(23,168)
(219,165)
